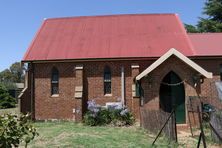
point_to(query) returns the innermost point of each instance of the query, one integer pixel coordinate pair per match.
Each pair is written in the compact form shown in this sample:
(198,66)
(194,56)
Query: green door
(172,95)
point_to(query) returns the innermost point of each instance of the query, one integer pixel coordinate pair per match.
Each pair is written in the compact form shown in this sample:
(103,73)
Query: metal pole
(122,86)
(198,144)
(201,127)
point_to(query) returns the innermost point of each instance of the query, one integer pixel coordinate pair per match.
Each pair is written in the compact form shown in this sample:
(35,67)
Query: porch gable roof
(179,55)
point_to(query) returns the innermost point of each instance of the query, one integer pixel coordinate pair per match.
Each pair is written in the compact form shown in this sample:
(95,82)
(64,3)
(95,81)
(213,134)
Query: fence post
(175,124)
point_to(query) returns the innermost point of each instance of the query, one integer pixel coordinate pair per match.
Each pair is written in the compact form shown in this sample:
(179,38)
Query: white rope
(175,84)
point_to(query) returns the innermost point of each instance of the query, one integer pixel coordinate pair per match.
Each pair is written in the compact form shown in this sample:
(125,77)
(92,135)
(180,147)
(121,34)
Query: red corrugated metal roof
(207,44)
(115,36)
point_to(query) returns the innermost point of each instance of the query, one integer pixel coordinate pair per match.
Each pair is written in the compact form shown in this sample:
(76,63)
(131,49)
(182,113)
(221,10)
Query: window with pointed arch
(55,81)
(107,80)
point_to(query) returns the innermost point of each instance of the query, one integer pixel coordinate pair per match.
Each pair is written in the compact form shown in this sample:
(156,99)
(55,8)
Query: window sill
(108,95)
(55,96)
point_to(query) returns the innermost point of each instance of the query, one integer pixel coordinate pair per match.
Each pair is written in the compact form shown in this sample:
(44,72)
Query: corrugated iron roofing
(115,36)
(207,44)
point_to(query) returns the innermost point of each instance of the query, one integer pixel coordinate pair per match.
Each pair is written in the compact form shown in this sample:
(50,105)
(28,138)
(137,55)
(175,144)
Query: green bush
(121,117)
(6,101)
(16,129)
(116,116)
(101,118)
(89,119)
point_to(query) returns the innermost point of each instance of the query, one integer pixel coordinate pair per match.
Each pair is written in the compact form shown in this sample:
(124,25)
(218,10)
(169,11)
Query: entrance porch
(169,81)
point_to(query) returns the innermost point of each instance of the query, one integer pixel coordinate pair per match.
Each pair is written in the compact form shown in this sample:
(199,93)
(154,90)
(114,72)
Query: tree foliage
(12,75)
(15,129)
(191,28)
(6,101)
(213,20)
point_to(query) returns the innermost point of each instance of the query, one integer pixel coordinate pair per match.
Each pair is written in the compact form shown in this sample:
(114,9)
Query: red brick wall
(208,88)
(46,106)
(93,83)
(61,107)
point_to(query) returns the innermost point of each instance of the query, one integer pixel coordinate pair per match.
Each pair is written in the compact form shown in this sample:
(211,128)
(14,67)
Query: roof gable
(116,36)
(181,57)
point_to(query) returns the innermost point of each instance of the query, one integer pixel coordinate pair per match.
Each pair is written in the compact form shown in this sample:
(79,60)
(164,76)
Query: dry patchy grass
(69,134)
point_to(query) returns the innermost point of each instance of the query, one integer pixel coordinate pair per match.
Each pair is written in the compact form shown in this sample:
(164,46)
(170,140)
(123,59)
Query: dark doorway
(172,94)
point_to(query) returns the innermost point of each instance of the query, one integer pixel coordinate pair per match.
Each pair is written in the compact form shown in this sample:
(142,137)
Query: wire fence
(216,126)
(153,120)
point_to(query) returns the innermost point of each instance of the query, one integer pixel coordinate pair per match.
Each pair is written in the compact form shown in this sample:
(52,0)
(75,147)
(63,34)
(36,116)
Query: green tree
(17,72)
(6,101)
(12,75)
(191,28)
(213,20)
(6,76)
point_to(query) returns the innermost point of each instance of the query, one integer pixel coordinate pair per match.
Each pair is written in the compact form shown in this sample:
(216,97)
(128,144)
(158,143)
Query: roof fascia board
(92,59)
(117,59)
(168,54)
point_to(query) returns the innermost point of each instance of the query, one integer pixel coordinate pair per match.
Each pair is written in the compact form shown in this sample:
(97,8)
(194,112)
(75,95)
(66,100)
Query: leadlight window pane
(137,89)
(107,77)
(107,87)
(55,81)
(55,88)
(55,77)
(107,80)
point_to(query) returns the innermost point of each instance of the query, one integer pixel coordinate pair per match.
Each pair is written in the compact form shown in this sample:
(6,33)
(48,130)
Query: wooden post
(175,124)
(191,130)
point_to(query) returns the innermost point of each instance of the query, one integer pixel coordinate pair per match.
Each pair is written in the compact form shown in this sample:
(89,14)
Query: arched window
(107,80)
(55,81)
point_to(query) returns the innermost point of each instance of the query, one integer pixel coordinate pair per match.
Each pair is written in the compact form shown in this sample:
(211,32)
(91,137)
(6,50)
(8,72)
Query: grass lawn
(69,134)
(10,110)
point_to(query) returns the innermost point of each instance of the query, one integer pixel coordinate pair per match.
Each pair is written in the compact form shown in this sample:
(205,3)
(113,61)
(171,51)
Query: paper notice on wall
(219,90)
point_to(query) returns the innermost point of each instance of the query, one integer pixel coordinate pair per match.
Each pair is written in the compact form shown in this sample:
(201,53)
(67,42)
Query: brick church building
(141,60)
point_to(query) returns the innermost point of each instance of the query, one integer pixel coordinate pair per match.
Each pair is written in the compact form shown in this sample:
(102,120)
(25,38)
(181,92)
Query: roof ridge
(185,34)
(111,15)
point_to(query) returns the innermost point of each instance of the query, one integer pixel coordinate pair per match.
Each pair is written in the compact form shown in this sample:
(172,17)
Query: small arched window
(107,80)
(55,81)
